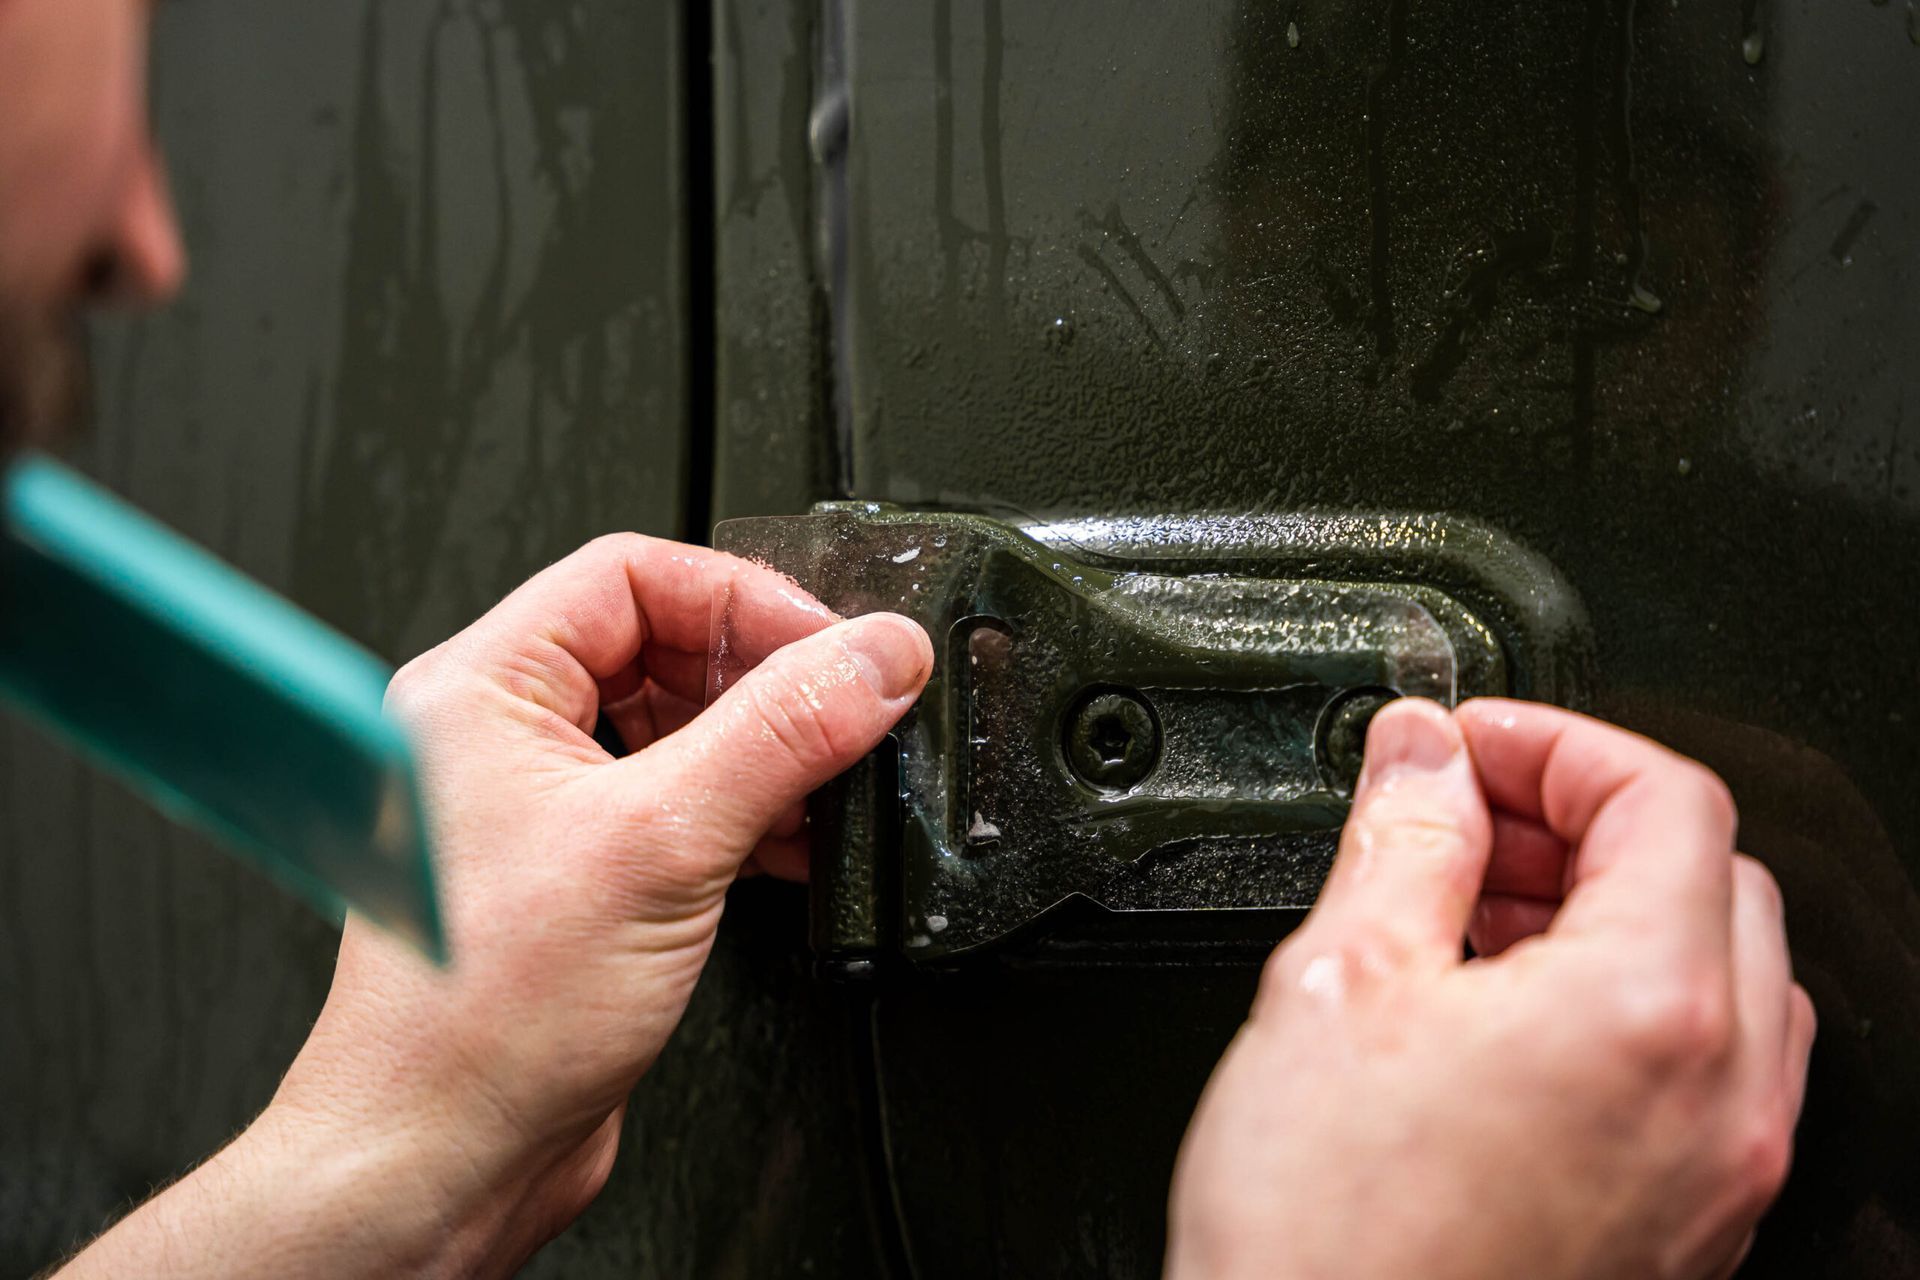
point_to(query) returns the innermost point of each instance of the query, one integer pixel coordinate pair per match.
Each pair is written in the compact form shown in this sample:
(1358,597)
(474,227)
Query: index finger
(1652,831)
(587,617)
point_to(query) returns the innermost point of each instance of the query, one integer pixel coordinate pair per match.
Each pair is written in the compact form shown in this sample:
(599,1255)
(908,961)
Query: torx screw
(1112,740)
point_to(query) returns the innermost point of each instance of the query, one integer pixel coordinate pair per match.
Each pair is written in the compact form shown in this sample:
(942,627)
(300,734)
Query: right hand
(1609,1091)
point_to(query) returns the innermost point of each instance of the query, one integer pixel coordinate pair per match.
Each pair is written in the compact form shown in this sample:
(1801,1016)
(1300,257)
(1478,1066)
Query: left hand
(451,1121)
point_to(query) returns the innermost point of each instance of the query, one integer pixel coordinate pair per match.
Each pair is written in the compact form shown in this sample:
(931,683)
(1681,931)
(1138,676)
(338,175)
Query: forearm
(295,1197)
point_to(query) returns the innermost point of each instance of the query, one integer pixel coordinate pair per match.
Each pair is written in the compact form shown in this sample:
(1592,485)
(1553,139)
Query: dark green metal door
(1629,281)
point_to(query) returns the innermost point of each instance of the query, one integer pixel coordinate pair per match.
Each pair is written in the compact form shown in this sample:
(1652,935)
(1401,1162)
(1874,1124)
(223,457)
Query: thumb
(1414,850)
(809,711)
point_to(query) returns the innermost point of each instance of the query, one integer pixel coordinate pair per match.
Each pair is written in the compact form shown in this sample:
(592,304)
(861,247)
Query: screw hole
(1111,739)
(1342,734)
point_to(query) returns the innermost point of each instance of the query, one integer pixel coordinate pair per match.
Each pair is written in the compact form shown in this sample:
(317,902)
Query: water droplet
(1646,300)
(940,540)
(936,923)
(1753,47)
(1058,334)
(911,553)
(1293,35)
(982,831)
(1685,466)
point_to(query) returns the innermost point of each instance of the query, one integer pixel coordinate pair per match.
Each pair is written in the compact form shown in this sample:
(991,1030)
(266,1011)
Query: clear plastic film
(751,614)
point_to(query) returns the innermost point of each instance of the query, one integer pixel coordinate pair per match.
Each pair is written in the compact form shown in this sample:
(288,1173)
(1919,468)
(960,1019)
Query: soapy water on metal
(1149,717)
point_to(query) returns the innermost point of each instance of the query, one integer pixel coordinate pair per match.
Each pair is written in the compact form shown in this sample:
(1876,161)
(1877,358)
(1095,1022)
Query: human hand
(1610,1091)
(581,892)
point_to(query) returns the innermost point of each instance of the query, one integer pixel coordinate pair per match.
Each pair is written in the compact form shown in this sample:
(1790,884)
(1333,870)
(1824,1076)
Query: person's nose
(144,261)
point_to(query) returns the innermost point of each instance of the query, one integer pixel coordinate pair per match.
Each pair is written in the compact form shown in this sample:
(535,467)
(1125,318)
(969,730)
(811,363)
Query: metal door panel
(435,337)
(1627,281)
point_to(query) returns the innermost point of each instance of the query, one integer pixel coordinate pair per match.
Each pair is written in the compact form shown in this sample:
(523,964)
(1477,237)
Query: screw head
(1342,735)
(1112,740)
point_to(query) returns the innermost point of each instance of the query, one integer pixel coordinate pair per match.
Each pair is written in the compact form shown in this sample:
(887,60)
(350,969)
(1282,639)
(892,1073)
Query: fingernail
(1411,734)
(893,653)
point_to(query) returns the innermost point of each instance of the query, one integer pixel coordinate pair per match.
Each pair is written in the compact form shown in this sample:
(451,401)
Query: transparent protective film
(728,655)
(751,614)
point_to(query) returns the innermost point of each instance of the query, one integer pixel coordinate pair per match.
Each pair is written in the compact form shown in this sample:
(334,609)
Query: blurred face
(84,215)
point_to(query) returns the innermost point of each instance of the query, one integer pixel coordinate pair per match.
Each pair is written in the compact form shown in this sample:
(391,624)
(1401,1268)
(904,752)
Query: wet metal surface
(1631,282)
(1124,714)
(775,446)
(433,340)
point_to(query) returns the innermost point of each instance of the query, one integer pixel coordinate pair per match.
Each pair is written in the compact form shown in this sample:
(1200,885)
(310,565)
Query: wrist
(400,1195)
(299,1194)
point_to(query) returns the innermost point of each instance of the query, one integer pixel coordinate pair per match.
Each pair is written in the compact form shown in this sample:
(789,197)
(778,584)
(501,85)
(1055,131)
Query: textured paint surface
(774,447)
(1630,281)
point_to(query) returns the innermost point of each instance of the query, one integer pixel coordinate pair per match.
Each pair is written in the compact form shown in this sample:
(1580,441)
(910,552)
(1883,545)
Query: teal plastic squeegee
(222,703)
